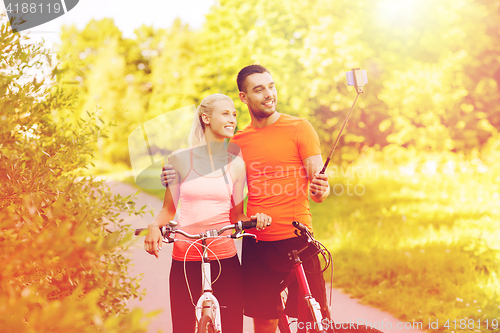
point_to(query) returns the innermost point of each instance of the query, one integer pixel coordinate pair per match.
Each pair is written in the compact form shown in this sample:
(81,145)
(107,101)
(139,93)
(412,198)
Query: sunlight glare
(397,12)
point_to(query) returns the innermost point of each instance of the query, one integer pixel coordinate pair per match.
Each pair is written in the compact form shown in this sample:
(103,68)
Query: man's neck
(263,122)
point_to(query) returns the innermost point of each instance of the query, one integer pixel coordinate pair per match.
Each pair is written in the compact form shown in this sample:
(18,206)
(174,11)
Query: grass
(421,245)
(419,240)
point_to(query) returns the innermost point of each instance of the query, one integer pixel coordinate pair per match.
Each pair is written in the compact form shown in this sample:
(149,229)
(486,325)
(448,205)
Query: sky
(127,14)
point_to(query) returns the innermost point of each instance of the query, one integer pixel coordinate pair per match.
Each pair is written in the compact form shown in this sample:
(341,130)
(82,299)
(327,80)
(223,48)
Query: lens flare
(397,12)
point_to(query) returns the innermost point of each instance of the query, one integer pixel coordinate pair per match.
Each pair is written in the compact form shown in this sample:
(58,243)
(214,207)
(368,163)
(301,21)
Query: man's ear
(243,97)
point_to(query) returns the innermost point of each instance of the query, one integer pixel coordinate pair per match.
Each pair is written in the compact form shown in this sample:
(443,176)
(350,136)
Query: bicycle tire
(205,325)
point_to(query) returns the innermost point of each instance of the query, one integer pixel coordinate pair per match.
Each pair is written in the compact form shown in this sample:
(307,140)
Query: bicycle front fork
(207,303)
(307,303)
(310,303)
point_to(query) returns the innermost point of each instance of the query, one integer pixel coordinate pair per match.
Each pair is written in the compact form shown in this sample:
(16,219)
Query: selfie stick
(359,82)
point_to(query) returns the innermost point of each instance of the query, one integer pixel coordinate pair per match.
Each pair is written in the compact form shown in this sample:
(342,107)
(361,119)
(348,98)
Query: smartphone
(362,78)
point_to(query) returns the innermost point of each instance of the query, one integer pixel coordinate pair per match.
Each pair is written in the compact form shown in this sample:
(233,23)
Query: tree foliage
(432,65)
(61,241)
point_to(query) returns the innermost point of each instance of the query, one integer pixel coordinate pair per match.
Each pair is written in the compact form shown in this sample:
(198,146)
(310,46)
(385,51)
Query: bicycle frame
(207,303)
(309,303)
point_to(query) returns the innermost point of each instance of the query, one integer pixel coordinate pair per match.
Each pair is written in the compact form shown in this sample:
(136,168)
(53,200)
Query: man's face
(260,95)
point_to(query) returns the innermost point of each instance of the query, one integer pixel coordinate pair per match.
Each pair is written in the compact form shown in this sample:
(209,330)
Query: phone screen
(350,78)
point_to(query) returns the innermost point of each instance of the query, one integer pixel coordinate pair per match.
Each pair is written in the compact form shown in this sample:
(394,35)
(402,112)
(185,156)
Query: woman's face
(223,119)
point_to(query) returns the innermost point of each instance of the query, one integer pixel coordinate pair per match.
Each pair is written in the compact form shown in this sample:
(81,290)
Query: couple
(281,162)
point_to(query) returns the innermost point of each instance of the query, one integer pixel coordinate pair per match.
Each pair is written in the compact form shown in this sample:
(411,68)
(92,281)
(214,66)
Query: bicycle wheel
(205,325)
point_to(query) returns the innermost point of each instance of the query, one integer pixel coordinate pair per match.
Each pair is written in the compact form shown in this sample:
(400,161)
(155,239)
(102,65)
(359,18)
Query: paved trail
(155,280)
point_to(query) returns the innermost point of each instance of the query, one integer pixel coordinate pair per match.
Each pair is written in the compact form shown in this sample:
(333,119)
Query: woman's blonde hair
(197,135)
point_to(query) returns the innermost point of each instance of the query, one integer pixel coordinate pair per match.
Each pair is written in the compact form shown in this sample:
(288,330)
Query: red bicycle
(307,303)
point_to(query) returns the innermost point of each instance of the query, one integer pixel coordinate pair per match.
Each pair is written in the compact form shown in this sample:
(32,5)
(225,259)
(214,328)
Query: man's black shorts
(265,265)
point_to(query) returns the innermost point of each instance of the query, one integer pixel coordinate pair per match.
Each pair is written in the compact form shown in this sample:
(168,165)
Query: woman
(209,183)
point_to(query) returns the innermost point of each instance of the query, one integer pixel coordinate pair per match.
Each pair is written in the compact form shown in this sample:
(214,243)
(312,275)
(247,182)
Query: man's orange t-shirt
(277,180)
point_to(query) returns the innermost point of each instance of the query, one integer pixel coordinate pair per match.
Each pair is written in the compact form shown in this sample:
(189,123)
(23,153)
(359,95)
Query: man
(282,155)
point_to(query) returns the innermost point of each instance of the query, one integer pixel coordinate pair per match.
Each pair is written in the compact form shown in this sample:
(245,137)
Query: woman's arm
(168,210)
(153,240)
(238,172)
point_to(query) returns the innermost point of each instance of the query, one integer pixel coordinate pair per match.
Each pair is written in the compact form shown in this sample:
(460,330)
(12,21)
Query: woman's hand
(153,240)
(262,219)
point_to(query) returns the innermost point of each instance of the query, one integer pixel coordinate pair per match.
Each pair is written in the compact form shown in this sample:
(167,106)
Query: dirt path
(155,282)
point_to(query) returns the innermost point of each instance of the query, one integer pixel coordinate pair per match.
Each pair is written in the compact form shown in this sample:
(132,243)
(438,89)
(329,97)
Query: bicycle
(207,309)
(318,324)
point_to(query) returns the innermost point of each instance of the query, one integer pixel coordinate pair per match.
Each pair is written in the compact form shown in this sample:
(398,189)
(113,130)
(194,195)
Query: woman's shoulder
(179,158)
(181,151)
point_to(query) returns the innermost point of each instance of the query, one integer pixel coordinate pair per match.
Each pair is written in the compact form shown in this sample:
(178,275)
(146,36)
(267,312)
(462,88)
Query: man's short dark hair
(247,71)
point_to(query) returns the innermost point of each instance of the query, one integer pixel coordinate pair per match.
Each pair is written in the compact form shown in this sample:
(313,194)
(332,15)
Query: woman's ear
(205,119)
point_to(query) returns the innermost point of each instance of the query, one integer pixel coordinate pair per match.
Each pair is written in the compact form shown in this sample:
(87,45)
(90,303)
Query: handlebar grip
(138,231)
(248,224)
(299,226)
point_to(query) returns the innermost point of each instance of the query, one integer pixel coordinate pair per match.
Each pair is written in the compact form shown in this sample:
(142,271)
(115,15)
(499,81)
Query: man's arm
(318,187)
(167,175)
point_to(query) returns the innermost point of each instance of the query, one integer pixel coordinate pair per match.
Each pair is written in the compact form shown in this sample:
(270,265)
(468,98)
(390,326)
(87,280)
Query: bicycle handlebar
(320,248)
(300,226)
(240,226)
(304,232)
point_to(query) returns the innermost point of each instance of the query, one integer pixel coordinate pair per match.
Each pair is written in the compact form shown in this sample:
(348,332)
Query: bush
(61,241)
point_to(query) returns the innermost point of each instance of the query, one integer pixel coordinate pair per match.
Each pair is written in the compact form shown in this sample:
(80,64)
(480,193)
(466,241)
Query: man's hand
(262,219)
(167,175)
(319,188)
(153,240)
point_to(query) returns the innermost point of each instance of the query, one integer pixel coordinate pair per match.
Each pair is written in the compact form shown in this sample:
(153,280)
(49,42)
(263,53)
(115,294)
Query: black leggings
(227,289)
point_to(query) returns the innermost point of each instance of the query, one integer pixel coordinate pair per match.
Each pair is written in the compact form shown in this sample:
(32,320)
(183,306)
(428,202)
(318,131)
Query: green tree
(427,72)
(174,60)
(272,33)
(109,74)
(432,67)
(61,241)
(129,80)
(479,110)
(307,45)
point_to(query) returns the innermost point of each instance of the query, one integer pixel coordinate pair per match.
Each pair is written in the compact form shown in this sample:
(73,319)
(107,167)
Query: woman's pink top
(205,202)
